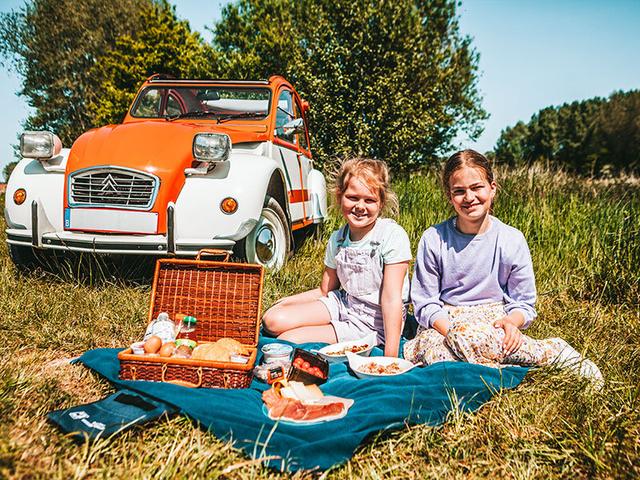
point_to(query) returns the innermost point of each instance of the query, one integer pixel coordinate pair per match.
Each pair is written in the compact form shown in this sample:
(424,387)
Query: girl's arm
(392,305)
(425,285)
(329,282)
(521,295)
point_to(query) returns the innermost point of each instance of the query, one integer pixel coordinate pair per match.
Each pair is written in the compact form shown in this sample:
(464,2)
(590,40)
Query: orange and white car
(195,164)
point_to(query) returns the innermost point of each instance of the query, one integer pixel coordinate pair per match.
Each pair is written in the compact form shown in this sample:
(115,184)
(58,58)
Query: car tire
(269,243)
(24,258)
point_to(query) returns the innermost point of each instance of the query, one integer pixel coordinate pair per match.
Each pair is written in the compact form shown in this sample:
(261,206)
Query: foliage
(53,45)
(391,79)
(585,247)
(8,168)
(593,137)
(163,44)
(82,62)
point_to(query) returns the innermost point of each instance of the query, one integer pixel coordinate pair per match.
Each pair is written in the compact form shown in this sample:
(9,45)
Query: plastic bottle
(162,327)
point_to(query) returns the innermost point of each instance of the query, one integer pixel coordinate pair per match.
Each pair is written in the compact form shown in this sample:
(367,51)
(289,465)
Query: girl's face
(471,194)
(360,206)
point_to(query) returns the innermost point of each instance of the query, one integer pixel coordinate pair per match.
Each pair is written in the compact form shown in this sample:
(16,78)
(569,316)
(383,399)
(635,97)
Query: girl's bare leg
(314,333)
(301,297)
(301,310)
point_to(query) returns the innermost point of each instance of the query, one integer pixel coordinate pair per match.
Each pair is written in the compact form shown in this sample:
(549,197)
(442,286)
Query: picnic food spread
(179,342)
(203,332)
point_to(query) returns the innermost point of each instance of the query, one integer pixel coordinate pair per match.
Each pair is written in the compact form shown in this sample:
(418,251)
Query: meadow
(584,237)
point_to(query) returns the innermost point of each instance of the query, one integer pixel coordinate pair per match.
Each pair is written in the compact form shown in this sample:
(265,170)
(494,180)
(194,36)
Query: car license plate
(106,220)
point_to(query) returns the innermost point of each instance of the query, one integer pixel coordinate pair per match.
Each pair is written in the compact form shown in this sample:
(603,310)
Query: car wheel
(269,243)
(24,258)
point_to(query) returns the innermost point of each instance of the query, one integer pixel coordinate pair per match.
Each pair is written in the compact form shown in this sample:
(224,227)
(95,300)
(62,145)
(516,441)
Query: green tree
(590,137)
(81,62)
(8,168)
(163,44)
(389,79)
(53,44)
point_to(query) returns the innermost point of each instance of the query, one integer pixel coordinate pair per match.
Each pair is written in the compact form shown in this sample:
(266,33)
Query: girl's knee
(475,342)
(274,321)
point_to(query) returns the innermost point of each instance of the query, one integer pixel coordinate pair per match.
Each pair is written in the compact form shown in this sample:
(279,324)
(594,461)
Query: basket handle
(213,251)
(182,383)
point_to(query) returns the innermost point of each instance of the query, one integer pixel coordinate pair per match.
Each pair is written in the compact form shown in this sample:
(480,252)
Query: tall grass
(585,245)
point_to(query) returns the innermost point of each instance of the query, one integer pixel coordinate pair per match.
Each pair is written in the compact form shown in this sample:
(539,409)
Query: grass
(585,241)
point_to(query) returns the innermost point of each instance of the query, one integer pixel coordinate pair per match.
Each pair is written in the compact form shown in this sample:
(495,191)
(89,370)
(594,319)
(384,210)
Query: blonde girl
(474,288)
(365,284)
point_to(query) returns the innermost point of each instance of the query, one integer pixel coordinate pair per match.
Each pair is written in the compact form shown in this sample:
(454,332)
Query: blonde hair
(374,174)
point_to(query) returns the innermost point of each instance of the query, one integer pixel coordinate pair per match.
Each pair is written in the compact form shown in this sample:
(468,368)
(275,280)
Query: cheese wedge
(300,391)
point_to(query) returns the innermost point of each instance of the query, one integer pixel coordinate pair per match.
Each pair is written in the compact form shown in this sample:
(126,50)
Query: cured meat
(296,410)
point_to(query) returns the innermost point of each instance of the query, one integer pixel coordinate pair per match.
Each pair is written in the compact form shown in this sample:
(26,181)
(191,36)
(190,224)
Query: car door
(296,161)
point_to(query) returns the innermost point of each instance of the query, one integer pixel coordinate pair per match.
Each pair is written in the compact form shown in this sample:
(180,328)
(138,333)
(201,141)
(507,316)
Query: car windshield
(218,102)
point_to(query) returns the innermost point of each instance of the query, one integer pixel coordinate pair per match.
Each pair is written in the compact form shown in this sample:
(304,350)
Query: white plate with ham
(303,405)
(299,413)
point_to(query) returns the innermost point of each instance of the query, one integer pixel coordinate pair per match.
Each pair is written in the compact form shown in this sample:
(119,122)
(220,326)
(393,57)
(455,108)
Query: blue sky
(533,53)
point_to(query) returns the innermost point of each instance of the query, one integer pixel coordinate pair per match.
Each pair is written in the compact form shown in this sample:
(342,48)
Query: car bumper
(123,244)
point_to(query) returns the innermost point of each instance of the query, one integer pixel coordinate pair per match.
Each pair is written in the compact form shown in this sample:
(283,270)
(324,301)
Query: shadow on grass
(91,269)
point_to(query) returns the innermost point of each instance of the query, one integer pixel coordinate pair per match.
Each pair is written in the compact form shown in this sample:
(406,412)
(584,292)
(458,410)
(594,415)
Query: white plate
(370,340)
(356,362)
(347,402)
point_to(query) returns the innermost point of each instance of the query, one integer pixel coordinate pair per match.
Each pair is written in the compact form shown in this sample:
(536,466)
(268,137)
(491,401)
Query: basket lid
(225,297)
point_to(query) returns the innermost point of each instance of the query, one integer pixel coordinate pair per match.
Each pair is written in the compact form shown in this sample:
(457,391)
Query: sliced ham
(296,410)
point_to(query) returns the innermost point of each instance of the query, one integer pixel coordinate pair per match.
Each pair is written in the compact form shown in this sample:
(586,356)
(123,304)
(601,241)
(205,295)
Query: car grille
(112,187)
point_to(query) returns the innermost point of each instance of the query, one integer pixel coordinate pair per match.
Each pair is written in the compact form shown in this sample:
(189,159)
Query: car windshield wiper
(192,114)
(231,116)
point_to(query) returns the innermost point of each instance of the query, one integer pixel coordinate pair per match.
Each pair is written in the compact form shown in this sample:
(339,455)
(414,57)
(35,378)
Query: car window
(284,114)
(149,103)
(173,106)
(216,101)
(302,137)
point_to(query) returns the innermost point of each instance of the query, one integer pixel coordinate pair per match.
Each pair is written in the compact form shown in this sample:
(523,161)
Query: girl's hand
(512,335)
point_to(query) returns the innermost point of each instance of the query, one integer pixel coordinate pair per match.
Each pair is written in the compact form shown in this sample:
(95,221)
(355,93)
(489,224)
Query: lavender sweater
(460,269)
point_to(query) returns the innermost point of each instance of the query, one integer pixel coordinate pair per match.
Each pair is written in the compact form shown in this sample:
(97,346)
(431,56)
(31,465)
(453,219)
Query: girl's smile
(471,196)
(360,207)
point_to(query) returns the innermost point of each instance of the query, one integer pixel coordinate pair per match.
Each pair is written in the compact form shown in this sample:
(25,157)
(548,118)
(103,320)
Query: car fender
(244,177)
(44,184)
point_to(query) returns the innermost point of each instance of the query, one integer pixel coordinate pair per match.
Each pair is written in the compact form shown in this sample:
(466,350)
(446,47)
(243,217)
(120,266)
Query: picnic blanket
(421,396)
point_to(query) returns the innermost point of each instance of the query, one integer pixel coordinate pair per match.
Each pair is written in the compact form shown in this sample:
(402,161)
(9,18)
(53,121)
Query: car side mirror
(288,129)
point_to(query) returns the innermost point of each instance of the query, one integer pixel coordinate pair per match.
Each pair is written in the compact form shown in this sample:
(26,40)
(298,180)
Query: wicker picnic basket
(226,299)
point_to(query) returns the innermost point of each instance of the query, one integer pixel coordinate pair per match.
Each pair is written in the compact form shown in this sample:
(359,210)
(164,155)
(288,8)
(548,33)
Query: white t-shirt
(394,248)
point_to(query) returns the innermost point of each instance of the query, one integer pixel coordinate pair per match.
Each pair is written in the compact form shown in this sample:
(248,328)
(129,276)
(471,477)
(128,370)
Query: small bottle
(188,329)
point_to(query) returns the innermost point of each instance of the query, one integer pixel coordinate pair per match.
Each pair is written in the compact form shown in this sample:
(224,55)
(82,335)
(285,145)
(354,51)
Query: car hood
(159,147)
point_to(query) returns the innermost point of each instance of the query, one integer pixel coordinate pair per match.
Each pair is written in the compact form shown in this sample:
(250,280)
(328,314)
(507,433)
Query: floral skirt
(473,338)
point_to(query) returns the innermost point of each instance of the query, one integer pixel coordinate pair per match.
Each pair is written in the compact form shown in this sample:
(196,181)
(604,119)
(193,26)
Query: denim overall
(360,272)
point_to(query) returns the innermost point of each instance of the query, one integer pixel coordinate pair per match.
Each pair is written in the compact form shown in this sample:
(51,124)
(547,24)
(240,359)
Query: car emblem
(109,185)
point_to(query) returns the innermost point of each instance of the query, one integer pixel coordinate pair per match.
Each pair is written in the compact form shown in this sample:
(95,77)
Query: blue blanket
(421,396)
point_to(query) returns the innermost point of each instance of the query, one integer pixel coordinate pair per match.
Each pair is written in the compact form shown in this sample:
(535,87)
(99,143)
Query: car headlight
(41,145)
(211,147)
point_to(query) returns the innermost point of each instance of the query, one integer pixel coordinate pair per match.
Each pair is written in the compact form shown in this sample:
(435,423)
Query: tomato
(305,366)
(298,362)
(317,372)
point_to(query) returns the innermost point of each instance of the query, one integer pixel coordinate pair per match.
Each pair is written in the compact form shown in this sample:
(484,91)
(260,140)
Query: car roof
(158,79)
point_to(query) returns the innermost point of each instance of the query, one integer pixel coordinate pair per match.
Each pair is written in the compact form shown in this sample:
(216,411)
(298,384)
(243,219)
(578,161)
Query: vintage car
(195,164)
